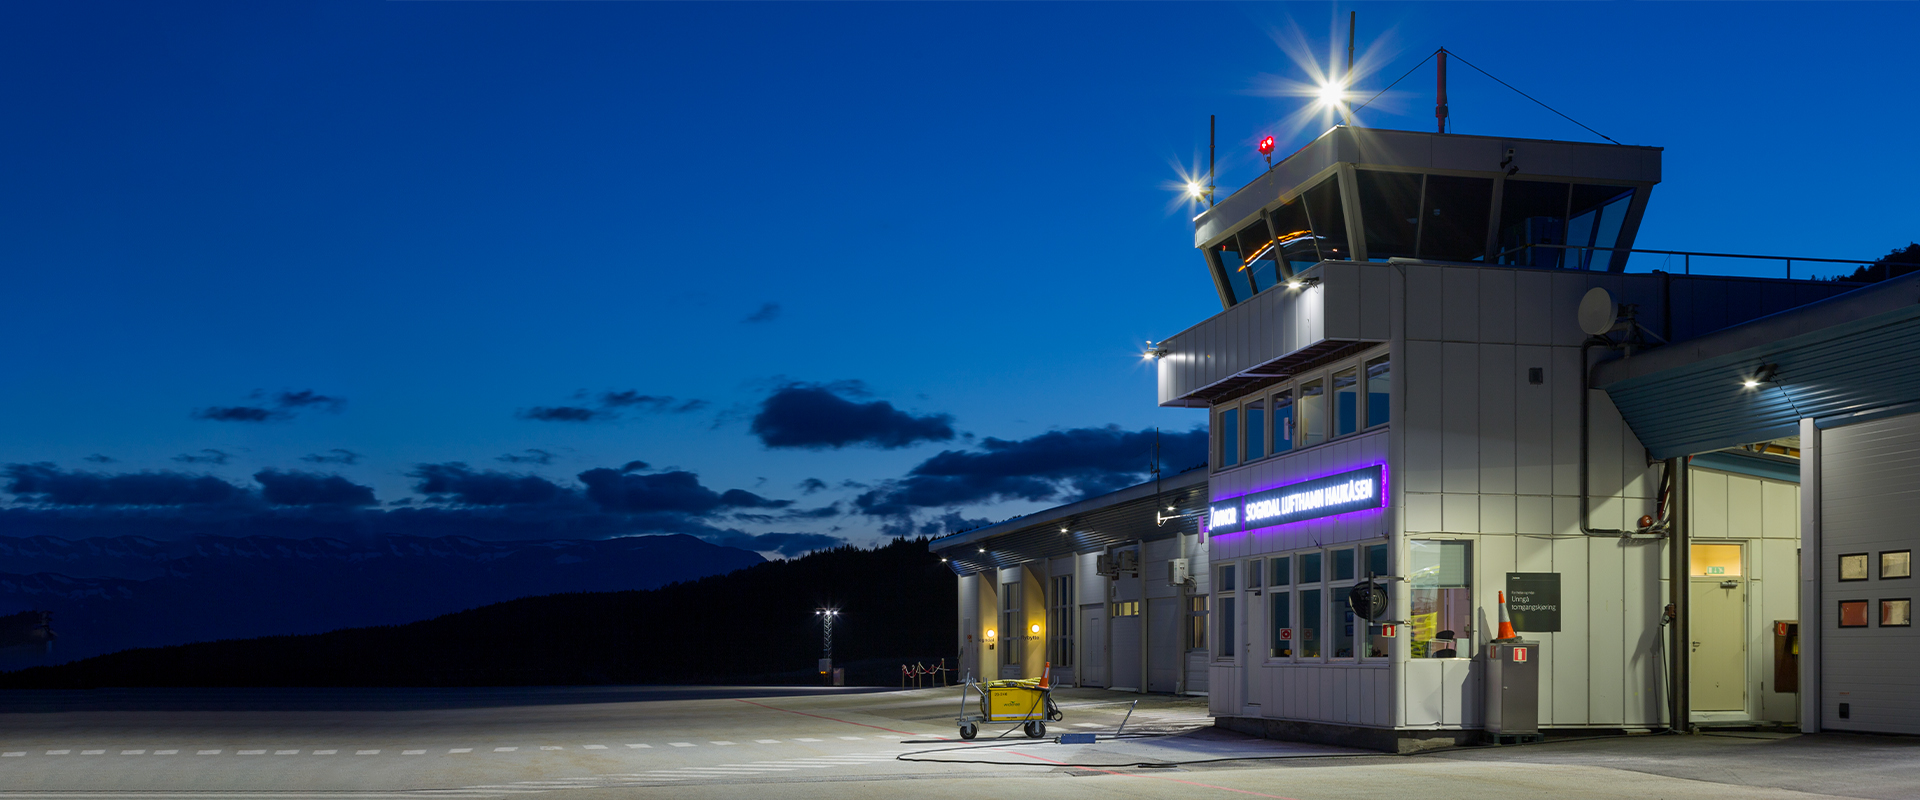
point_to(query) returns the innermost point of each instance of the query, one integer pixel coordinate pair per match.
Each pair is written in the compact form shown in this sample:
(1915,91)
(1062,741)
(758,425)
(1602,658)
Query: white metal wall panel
(1125,650)
(1093,645)
(1870,496)
(1163,616)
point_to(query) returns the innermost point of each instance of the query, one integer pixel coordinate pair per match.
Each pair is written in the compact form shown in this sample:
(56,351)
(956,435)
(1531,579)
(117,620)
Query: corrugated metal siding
(1836,371)
(1869,498)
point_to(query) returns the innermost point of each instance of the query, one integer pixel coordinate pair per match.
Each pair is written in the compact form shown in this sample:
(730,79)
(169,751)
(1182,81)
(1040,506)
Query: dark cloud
(1078,463)
(820,417)
(334,456)
(530,455)
(610,404)
(678,492)
(951,522)
(46,483)
(812,485)
(824,512)
(288,488)
(564,414)
(768,312)
(455,482)
(96,458)
(205,456)
(276,407)
(635,466)
(237,414)
(308,398)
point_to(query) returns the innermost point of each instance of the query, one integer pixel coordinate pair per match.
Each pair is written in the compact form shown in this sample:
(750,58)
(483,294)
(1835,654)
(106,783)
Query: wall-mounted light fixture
(1036,629)
(1296,284)
(1762,375)
(1153,351)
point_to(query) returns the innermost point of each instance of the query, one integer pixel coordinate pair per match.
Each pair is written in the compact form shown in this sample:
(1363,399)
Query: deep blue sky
(451,214)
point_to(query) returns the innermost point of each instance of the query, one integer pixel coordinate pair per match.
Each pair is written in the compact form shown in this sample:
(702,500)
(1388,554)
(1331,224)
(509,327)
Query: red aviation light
(1266,146)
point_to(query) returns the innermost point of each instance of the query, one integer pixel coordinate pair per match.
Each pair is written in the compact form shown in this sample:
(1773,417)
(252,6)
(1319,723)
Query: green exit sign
(1716,570)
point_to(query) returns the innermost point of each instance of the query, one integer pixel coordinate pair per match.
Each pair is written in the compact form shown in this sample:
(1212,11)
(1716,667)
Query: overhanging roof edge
(1051,516)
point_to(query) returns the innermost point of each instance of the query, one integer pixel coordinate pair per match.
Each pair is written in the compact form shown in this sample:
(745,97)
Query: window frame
(1060,621)
(1271,428)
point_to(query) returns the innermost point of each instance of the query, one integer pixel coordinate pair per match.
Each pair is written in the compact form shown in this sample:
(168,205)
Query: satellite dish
(1597,312)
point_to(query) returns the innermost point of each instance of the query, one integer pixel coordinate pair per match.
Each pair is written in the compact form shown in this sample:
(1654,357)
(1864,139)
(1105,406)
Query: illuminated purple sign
(1359,490)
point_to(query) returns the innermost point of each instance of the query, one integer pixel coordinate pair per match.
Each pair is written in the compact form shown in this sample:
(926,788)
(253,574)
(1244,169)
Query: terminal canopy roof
(1845,359)
(1150,511)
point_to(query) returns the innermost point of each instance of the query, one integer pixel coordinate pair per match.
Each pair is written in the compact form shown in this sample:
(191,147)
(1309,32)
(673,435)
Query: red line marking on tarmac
(821,716)
(1155,777)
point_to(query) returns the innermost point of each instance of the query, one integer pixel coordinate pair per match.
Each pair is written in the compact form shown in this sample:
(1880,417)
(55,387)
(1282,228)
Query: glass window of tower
(1453,222)
(1533,213)
(1390,211)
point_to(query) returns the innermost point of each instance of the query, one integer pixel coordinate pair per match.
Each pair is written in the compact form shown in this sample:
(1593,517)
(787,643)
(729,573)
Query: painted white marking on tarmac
(806,740)
(594,747)
(550,747)
(681,744)
(461,750)
(720,743)
(207,753)
(325,752)
(413,752)
(639,746)
(286,752)
(505,749)
(1086,725)
(133,752)
(366,752)
(93,752)
(166,752)
(766,741)
(850,738)
(13,755)
(253,752)
(59,752)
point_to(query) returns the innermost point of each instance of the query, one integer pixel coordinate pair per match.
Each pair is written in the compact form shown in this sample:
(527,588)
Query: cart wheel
(1036,729)
(969,731)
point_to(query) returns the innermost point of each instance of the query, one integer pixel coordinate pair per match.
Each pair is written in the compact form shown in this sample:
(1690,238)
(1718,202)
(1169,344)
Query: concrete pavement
(822,743)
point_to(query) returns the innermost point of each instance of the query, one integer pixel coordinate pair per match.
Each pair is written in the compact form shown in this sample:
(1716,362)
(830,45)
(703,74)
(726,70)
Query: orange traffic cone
(1046,675)
(1506,623)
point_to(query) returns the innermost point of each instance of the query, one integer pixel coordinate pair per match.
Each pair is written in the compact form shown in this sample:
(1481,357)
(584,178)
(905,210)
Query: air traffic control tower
(1397,388)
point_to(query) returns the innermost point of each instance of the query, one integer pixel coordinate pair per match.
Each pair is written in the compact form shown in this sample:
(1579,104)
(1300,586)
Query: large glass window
(1346,401)
(1060,621)
(1282,571)
(1013,623)
(1343,564)
(1224,582)
(1312,412)
(1390,211)
(1309,568)
(1308,635)
(1596,216)
(1229,437)
(1282,420)
(1293,235)
(1378,645)
(1326,217)
(1532,212)
(1453,226)
(1281,619)
(1440,577)
(1379,390)
(1257,256)
(1256,428)
(1239,281)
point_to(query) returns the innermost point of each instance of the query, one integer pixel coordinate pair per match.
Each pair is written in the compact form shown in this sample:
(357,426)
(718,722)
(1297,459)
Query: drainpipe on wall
(1586,388)
(1180,627)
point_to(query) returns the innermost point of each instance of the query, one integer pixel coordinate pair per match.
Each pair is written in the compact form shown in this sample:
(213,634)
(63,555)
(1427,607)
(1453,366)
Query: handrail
(1687,263)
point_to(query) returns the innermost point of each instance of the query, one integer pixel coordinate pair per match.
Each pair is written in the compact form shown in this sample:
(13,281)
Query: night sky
(781,275)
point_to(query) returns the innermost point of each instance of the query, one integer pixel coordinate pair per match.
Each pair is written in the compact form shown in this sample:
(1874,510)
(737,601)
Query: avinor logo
(1358,490)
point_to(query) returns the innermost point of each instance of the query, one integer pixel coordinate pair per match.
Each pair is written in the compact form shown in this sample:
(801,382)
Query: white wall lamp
(1762,375)
(1296,284)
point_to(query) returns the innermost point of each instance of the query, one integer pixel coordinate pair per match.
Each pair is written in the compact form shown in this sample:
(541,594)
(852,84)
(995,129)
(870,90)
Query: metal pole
(1347,83)
(1679,584)
(1211,127)
(1440,102)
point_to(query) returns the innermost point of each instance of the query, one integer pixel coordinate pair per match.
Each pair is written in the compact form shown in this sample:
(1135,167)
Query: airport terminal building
(1414,384)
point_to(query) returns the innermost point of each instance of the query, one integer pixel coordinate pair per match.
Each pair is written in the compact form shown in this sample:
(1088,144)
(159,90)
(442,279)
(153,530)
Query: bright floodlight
(1195,190)
(1751,383)
(1331,93)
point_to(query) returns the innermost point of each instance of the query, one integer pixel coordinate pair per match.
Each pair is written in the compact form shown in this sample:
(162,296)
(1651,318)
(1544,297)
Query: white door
(1253,643)
(1093,645)
(1719,669)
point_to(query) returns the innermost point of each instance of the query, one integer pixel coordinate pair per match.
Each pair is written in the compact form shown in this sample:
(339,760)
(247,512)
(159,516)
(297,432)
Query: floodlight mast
(1440,98)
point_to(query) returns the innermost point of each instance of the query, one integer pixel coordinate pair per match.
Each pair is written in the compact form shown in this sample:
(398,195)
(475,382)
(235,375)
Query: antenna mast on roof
(1440,100)
(1210,130)
(1346,84)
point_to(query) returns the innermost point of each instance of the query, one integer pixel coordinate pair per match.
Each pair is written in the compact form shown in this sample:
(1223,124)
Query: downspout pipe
(1679,586)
